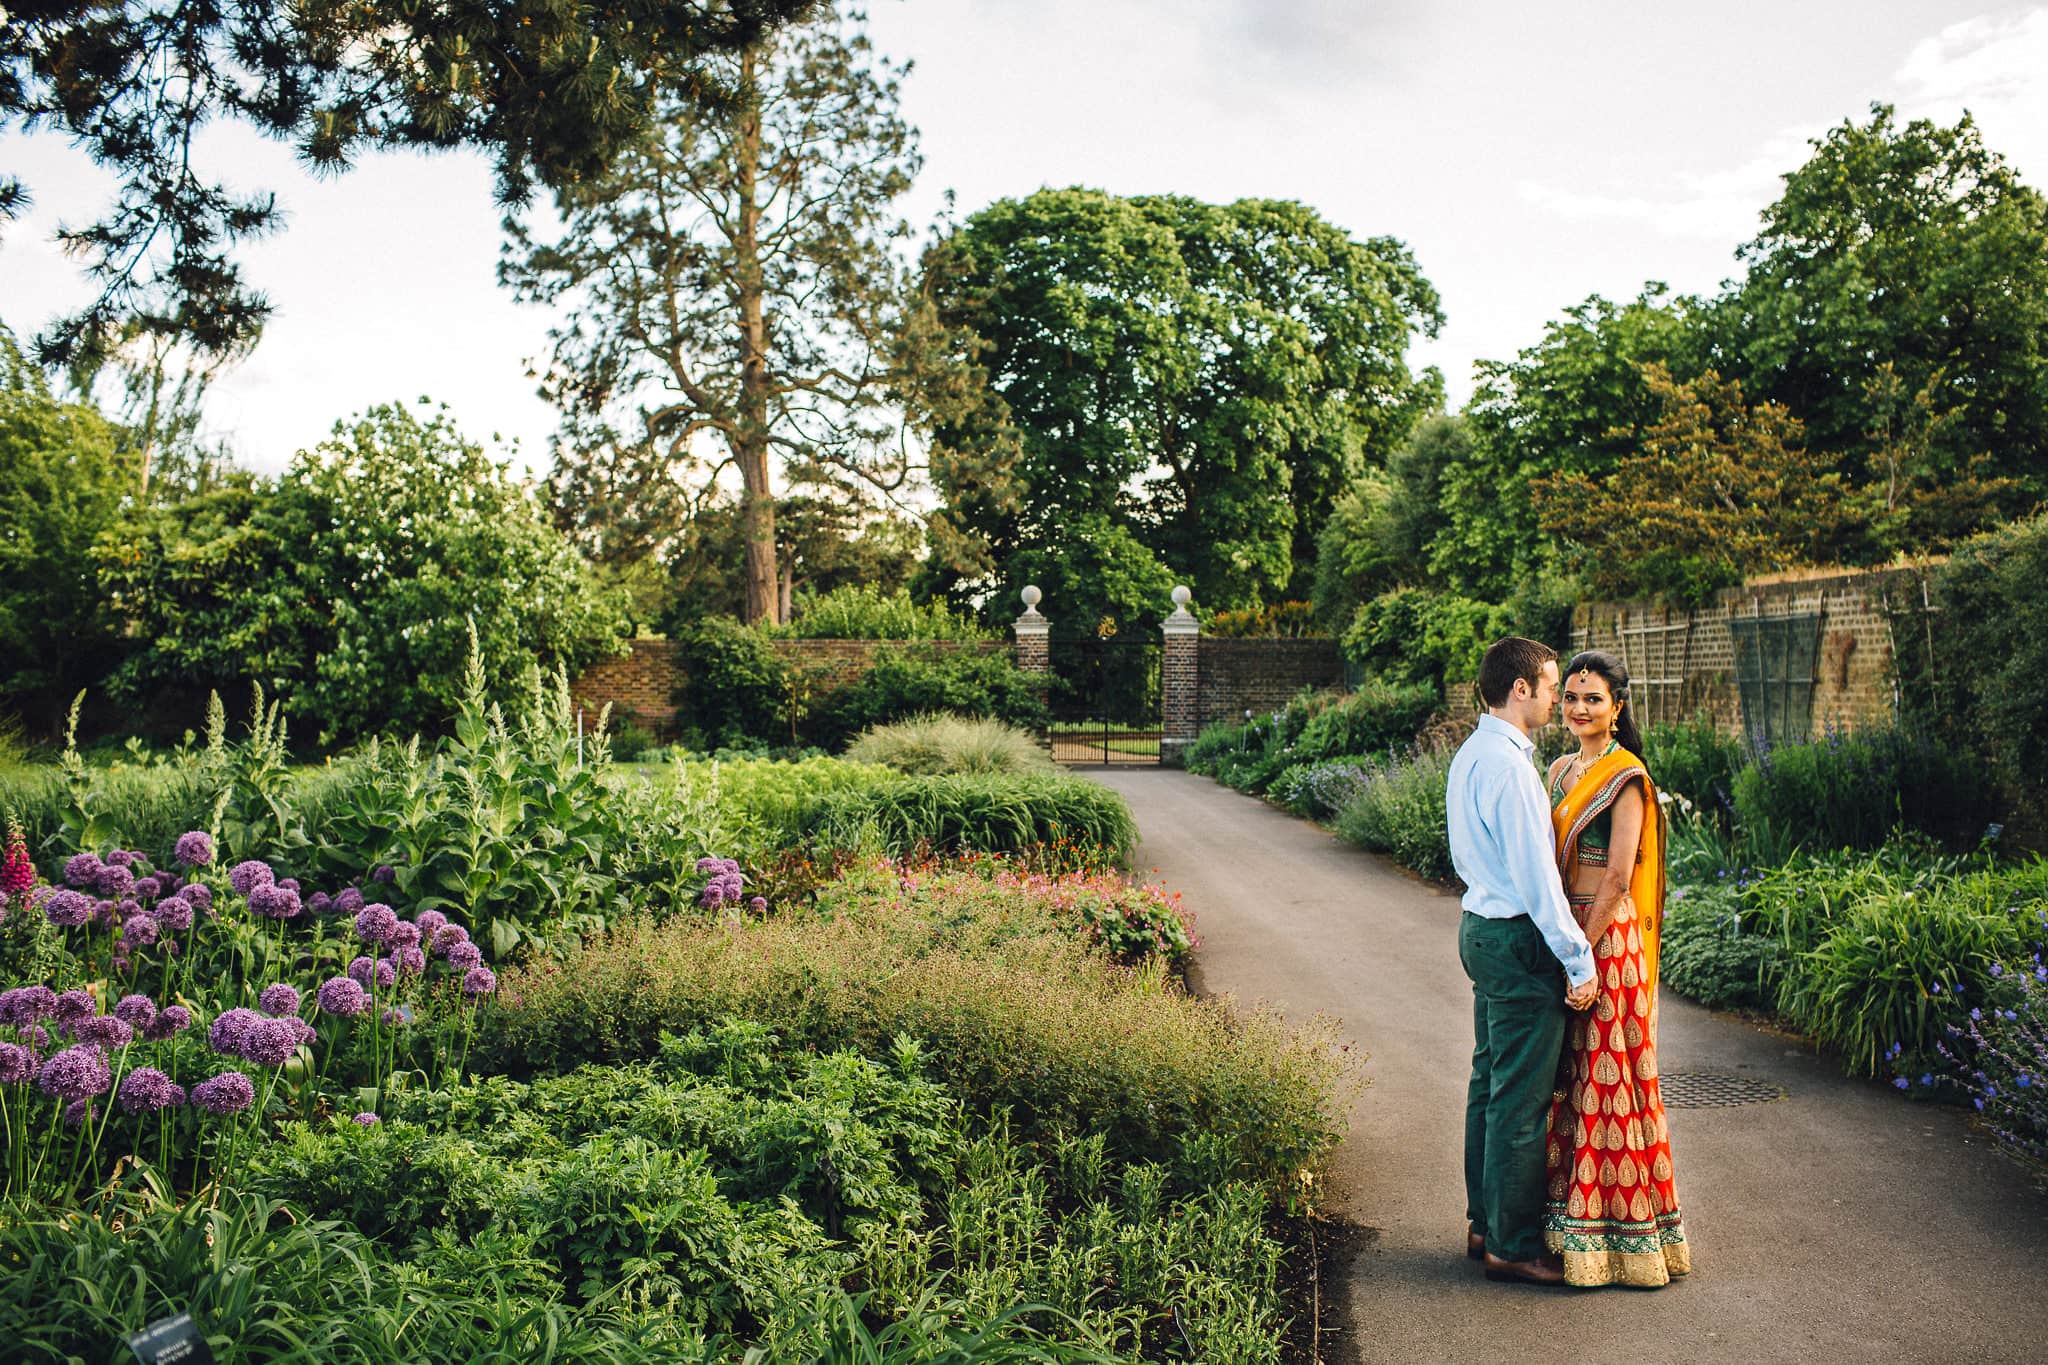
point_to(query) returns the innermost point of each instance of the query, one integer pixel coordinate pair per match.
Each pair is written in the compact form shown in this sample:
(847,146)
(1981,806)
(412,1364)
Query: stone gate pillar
(1178,668)
(1033,634)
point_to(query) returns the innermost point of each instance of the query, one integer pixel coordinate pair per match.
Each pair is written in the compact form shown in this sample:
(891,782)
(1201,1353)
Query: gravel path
(1842,1222)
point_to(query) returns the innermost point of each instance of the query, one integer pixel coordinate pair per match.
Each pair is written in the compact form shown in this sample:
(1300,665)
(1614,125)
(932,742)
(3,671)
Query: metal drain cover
(1714,1090)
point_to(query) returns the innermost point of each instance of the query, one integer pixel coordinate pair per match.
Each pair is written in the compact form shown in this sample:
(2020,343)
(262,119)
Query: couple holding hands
(1568,1175)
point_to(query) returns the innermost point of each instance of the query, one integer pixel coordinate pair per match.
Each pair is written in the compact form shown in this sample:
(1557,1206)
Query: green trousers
(1518,1019)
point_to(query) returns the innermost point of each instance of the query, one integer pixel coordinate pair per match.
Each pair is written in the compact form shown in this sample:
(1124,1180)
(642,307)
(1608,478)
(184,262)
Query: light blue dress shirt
(1502,843)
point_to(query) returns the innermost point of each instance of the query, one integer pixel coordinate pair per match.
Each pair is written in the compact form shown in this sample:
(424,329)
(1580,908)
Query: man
(1516,931)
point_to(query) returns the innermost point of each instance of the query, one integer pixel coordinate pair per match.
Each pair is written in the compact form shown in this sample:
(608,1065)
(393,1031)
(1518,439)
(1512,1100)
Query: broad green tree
(732,285)
(551,90)
(1207,377)
(1913,249)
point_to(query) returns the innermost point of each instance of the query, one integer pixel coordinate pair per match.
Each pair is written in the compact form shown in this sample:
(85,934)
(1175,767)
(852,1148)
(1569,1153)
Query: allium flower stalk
(137,1011)
(374,923)
(175,913)
(273,900)
(479,981)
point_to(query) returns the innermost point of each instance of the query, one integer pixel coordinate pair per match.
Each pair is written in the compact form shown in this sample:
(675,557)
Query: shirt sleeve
(1526,839)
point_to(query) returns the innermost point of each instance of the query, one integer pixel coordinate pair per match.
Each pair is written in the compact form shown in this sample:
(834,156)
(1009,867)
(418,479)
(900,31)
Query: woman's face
(1589,705)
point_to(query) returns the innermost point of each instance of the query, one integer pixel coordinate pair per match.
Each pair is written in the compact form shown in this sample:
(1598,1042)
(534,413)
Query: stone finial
(1031,623)
(1182,622)
(1032,597)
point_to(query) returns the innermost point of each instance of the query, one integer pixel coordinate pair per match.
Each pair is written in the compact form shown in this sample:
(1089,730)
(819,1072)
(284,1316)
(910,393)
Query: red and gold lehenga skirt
(1613,1202)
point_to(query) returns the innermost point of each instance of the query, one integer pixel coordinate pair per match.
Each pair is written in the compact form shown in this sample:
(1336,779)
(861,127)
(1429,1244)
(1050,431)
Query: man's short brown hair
(1509,659)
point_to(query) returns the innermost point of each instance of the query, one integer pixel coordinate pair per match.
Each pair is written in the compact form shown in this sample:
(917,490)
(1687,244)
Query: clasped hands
(1581,997)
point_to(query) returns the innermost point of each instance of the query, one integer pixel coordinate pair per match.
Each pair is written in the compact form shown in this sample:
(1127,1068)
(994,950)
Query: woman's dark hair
(1615,673)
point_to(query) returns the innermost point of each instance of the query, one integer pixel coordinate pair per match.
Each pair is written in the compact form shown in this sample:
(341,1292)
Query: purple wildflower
(103,1030)
(369,974)
(447,936)
(228,1093)
(347,901)
(72,1006)
(175,914)
(759,905)
(397,1016)
(247,876)
(67,909)
(375,922)
(464,956)
(80,1112)
(26,1004)
(17,1064)
(279,998)
(274,900)
(290,884)
(195,848)
(76,1073)
(429,922)
(403,935)
(200,894)
(409,961)
(82,869)
(122,857)
(147,888)
(271,1042)
(114,880)
(231,1029)
(383,873)
(319,903)
(479,981)
(173,1019)
(366,1120)
(343,997)
(146,1090)
(140,930)
(137,1011)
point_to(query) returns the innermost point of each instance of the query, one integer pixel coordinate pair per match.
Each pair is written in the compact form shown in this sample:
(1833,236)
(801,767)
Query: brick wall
(1232,675)
(641,685)
(1683,662)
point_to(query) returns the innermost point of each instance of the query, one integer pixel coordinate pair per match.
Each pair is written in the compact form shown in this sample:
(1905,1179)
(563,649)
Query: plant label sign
(171,1341)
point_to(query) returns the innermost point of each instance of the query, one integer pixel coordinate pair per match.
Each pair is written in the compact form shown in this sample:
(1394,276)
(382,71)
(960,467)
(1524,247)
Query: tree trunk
(750,446)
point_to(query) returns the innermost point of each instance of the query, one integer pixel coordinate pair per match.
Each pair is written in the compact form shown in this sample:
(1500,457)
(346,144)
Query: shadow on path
(1839,1223)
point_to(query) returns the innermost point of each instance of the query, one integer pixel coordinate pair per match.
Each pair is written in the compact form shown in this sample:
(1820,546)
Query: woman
(1613,1204)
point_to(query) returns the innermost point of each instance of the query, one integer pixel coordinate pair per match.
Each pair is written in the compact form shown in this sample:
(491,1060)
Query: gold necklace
(1582,763)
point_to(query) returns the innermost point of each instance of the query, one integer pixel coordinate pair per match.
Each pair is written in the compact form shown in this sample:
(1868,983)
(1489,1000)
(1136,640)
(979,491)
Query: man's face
(1540,702)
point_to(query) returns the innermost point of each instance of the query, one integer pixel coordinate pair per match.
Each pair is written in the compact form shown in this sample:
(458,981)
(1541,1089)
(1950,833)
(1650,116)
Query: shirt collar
(1500,727)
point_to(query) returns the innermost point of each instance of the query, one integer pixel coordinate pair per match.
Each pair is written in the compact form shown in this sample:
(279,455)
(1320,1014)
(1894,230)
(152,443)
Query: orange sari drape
(1583,804)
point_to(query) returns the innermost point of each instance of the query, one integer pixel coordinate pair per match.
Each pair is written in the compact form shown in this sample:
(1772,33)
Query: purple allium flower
(278,999)
(397,1016)
(114,879)
(147,888)
(173,1019)
(200,894)
(245,877)
(175,913)
(38,1036)
(80,1112)
(271,1042)
(73,1006)
(463,956)
(403,935)
(121,857)
(409,961)
(447,936)
(195,848)
(25,1004)
(228,1093)
(348,901)
(146,1090)
(759,905)
(140,930)
(429,922)
(103,1030)
(76,1073)
(104,915)
(230,1029)
(479,981)
(67,909)
(383,873)
(366,1120)
(275,901)
(122,962)
(290,884)
(369,974)
(17,1064)
(137,1011)
(82,869)
(343,997)
(319,903)
(375,922)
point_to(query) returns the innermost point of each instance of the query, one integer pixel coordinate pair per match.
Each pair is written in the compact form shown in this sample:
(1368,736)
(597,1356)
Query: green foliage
(1118,336)
(933,744)
(734,686)
(1400,813)
(980,812)
(1284,620)
(1706,952)
(349,590)
(858,612)
(1852,790)
(902,683)
(1696,760)
(828,540)
(1377,717)
(65,473)
(1421,635)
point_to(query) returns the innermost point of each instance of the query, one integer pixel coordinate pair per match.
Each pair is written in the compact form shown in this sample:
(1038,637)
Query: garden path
(1842,1222)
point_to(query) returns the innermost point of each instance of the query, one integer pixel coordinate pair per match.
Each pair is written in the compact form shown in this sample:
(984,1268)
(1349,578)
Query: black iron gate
(1105,700)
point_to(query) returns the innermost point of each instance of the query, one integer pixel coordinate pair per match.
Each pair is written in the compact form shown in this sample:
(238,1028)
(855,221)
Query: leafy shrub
(1707,953)
(734,686)
(902,683)
(1421,635)
(981,813)
(1400,812)
(1320,790)
(1377,717)
(934,744)
(1290,620)
(1696,760)
(1853,790)
(861,613)
(1994,1057)
(764,805)
(1011,1010)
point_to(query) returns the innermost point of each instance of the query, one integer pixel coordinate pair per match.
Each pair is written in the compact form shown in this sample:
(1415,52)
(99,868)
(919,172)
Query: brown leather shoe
(1544,1270)
(1475,1244)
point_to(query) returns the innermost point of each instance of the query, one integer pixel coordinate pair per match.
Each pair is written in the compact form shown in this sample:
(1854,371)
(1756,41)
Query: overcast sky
(1529,155)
